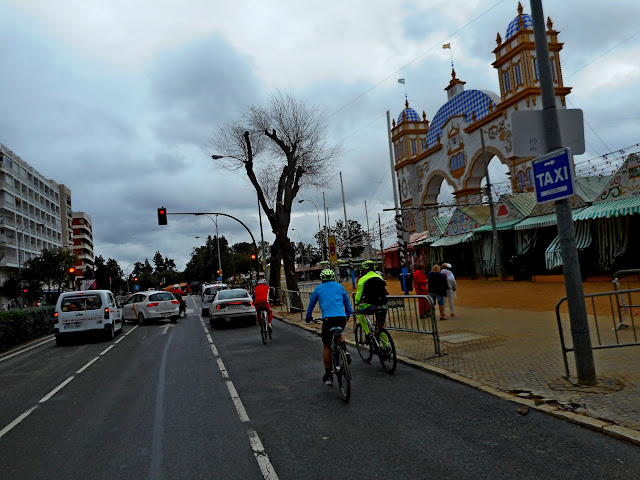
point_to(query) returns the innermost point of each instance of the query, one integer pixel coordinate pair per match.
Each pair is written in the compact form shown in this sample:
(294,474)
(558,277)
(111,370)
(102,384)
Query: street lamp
(319,228)
(211,257)
(217,240)
(301,249)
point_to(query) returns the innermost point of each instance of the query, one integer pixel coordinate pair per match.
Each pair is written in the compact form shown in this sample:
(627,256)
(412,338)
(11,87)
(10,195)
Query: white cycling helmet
(262,281)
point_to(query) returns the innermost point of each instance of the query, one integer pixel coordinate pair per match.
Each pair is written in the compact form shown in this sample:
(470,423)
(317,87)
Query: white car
(232,306)
(84,311)
(208,294)
(151,305)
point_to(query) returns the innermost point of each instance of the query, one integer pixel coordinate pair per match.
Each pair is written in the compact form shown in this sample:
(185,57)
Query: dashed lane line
(56,390)
(107,349)
(268,472)
(88,364)
(6,429)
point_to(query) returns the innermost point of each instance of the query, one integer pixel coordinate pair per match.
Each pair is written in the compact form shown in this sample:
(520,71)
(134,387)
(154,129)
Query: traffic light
(162,216)
(255,265)
(26,290)
(71,270)
(135,279)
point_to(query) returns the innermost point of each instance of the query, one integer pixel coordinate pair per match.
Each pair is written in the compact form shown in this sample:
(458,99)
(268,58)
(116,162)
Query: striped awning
(452,240)
(499,226)
(543,220)
(552,256)
(615,208)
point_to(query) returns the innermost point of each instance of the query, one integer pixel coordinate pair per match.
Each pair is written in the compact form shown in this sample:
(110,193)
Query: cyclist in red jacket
(261,300)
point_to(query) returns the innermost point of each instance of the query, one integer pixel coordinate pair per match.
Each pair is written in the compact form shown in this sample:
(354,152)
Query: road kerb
(623,433)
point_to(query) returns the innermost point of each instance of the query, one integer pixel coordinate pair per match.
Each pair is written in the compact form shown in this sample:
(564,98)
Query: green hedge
(20,326)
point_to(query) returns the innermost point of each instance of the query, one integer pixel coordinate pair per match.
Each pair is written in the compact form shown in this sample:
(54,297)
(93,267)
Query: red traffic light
(135,279)
(162,216)
(71,270)
(253,256)
(25,290)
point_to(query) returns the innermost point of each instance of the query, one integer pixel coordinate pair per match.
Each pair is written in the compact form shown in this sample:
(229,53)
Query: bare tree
(282,148)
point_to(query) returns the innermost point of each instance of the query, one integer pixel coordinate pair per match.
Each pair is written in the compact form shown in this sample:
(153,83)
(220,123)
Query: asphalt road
(189,402)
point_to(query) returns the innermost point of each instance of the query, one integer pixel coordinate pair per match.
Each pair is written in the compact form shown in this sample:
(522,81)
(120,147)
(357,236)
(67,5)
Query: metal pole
(496,241)
(218,241)
(585,365)
(384,269)
(346,224)
(399,222)
(366,213)
(326,231)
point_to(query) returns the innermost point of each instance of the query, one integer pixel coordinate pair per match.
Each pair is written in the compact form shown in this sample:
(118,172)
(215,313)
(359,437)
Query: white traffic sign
(527,130)
(553,176)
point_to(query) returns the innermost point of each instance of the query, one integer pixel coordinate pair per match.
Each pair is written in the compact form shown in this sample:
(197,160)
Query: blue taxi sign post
(553,176)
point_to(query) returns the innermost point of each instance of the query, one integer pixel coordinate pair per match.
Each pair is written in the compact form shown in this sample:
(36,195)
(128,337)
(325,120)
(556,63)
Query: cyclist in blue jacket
(336,307)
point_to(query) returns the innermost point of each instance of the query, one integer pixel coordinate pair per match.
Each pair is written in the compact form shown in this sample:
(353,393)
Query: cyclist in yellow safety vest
(371,296)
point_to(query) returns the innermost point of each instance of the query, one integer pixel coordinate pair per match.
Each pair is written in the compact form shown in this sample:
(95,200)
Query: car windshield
(213,290)
(77,303)
(232,294)
(155,297)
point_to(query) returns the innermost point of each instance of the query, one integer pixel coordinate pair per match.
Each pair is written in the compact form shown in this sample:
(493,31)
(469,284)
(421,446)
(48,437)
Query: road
(189,402)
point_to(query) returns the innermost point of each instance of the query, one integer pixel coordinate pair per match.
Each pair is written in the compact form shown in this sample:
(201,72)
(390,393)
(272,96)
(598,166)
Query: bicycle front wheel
(342,373)
(264,322)
(362,344)
(387,352)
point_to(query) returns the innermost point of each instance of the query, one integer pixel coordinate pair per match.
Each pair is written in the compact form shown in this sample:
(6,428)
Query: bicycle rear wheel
(342,373)
(362,344)
(387,352)
(264,322)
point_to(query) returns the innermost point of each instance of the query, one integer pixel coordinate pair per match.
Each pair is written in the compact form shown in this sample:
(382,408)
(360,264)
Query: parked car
(87,310)
(151,305)
(232,306)
(208,294)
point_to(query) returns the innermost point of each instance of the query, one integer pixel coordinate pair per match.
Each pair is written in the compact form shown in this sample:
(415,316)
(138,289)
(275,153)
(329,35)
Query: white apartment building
(82,243)
(29,213)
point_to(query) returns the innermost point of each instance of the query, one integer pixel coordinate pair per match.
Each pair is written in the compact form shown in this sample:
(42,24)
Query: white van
(84,311)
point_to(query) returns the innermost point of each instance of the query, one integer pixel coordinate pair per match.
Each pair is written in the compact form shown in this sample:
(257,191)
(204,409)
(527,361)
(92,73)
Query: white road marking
(237,402)
(26,349)
(261,456)
(209,338)
(214,349)
(55,390)
(119,340)
(88,364)
(166,327)
(6,429)
(222,368)
(107,349)
(131,330)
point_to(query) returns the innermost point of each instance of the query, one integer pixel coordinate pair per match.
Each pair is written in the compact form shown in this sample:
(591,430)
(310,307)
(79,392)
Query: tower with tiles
(449,146)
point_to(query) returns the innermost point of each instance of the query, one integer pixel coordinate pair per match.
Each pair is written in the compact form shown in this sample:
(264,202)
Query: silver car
(231,306)
(208,294)
(151,305)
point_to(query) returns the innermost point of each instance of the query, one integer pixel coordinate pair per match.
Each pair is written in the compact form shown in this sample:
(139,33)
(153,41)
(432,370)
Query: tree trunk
(274,271)
(288,257)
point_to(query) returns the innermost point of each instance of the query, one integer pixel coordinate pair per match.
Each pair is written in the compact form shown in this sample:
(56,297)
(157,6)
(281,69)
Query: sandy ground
(528,296)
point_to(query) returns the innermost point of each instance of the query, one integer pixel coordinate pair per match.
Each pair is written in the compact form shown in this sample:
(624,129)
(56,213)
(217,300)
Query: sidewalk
(515,353)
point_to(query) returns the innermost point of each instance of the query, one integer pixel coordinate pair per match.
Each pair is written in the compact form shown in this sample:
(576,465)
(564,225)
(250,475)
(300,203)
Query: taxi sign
(553,176)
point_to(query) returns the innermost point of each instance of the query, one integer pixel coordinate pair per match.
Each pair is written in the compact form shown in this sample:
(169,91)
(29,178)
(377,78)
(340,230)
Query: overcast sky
(118,99)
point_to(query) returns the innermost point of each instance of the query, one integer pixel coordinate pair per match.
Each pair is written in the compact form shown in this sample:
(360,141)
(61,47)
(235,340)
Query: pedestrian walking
(437,288)
(420,287)
(452,285)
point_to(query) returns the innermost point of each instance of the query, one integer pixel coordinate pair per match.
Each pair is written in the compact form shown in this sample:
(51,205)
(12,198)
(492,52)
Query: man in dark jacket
(437,288)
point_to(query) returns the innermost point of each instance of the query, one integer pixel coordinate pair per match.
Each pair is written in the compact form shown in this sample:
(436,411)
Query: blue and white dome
(469,103)
(514,26)
(409,114)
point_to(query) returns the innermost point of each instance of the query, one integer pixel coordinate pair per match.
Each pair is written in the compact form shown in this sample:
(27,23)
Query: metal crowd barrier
(608,311)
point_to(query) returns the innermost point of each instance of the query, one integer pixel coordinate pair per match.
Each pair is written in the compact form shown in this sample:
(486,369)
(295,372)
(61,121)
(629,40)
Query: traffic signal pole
(585,366)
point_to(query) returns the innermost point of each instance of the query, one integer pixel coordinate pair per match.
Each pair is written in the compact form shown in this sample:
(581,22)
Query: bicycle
(340,365)
(265,332)
(379,343)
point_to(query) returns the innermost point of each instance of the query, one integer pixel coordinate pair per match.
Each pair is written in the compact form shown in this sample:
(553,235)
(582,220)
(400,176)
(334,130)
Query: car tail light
(154,304)
(55,317)
(106,313)
(175,302)
(218,306)
(235,303)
